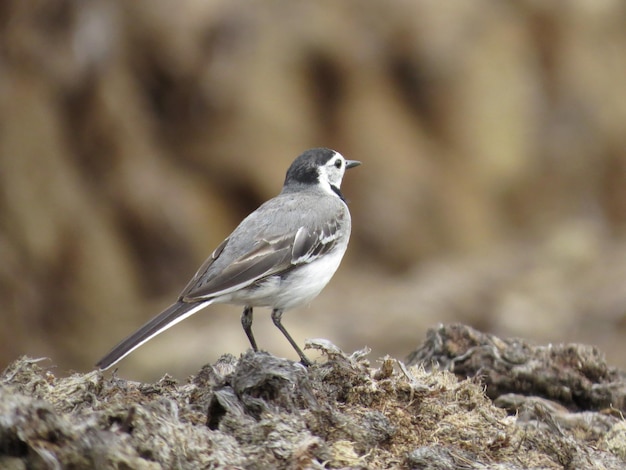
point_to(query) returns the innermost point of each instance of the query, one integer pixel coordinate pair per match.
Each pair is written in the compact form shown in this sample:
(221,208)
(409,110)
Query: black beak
(352,163)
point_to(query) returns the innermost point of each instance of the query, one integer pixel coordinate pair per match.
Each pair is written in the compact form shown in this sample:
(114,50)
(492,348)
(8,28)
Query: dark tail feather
(169,317)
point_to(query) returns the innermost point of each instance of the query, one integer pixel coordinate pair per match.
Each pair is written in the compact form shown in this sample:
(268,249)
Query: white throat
(329,178)
(325,185)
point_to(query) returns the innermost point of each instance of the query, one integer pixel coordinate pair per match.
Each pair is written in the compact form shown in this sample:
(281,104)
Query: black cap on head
(304,169)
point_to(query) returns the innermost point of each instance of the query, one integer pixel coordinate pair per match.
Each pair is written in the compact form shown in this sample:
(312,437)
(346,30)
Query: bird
(280,256)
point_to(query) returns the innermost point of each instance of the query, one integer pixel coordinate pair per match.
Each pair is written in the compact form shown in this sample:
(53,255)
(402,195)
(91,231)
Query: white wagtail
(281,256)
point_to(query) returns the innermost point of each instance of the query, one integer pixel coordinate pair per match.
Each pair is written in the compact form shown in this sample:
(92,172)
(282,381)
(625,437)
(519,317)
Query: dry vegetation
(260,412)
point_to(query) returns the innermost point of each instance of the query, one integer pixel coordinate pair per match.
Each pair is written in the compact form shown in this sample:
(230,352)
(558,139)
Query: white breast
(297,287)
(306,281)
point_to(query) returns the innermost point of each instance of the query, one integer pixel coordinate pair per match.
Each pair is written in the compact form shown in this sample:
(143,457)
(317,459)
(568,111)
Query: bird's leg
(246,322)
(277,315)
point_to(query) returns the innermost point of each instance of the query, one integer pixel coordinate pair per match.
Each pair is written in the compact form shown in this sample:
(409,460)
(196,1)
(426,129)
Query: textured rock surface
(260,412)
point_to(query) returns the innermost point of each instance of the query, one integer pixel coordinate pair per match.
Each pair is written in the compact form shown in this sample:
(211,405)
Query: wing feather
(269,256)
(310,245)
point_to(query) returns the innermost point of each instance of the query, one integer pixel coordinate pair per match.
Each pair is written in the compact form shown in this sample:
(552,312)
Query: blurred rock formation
(135,135)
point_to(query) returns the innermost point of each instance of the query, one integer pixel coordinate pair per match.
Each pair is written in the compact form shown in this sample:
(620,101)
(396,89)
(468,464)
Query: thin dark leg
(277,315)
(246,322)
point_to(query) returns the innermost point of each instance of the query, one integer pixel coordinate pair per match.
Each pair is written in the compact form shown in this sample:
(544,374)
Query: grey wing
(203,269)
(269,256)
(311,244)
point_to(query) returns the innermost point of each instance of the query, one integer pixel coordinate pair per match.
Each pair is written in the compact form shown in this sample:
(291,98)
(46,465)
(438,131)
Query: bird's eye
(338,163)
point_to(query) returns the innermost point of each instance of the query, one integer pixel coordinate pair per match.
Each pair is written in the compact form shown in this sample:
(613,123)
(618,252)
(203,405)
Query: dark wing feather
(309,245)
(268,257)
(204,268)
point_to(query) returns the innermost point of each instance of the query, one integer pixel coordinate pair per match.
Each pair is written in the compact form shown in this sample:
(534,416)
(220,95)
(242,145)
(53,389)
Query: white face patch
(332,173)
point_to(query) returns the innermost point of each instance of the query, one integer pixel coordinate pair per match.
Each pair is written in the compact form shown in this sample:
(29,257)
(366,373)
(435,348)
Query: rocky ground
(463,400)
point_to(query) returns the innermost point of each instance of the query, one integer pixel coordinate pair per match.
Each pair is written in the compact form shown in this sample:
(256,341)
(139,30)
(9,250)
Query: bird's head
(321,167)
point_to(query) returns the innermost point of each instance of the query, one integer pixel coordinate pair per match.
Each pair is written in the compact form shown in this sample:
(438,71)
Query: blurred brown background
(134,135)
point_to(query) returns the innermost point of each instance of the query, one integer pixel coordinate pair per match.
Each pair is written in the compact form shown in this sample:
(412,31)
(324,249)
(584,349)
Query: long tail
(169,317)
